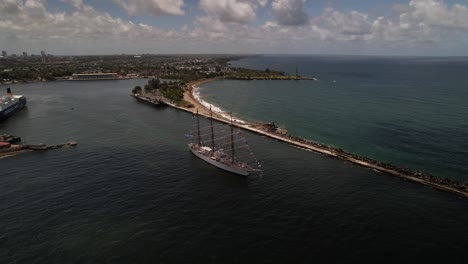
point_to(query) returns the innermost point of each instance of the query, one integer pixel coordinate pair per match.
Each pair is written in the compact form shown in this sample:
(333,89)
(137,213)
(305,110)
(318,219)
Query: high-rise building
(4,53)
(43,56)
(25,54)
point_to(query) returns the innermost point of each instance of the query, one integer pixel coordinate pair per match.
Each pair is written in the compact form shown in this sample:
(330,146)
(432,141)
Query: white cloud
(424,21)
(436,13)
(290,12)
(352,23)
(227,25)
(233,11)
(418,23)
(263,2)
(33,22)
(152,7)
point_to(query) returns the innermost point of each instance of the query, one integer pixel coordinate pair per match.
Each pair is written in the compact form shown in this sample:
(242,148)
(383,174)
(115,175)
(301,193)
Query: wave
(216,109)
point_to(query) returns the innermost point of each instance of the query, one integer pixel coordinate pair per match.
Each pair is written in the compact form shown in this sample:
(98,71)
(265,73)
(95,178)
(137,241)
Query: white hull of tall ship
(216,163)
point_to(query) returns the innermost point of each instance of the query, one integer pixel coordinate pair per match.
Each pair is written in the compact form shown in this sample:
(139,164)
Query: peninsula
(191,104)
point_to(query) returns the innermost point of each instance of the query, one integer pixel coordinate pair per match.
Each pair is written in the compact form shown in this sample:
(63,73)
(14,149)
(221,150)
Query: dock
(148,100)
(8,149)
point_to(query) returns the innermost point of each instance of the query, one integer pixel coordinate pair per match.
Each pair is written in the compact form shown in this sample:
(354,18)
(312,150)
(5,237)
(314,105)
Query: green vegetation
(136,90)
(173,93)
(241,73)
(169,90)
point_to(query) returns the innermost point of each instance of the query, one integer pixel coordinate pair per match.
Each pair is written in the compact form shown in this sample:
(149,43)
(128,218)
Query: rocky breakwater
(7,148)
(440,183)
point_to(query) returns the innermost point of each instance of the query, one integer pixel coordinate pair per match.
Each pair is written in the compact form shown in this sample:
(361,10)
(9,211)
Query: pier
(8,149)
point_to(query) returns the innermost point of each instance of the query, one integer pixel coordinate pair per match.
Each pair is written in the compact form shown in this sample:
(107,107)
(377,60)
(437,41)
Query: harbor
(133,177)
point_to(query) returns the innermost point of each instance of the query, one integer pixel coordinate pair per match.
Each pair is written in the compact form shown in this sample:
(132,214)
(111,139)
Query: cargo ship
(11,104)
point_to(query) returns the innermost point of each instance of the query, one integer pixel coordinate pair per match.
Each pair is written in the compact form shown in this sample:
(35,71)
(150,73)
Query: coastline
(443,184)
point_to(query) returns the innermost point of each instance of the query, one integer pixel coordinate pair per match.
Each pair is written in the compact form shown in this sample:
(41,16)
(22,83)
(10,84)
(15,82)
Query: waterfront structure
(151,101)
(11,104)
(94,76)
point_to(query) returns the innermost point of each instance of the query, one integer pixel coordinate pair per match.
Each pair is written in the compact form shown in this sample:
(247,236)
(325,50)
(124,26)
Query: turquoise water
(411,112)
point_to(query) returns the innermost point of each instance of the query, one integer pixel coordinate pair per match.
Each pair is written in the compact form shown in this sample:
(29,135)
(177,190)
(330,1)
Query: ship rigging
(225,152)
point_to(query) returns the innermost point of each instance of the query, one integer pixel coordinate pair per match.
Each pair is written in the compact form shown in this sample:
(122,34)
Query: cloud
(417,23)
(263,2)
(231,11)
(33,21)
(227,24)
(290,12)
(351,23)
(9,6)
(152,7)
(422,21)
(436,13)
(211,24)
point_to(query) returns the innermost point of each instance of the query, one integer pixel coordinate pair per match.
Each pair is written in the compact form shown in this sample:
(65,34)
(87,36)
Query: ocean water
(410,112)
(131,192)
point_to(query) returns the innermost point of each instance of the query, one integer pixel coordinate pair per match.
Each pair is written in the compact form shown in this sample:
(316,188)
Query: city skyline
(77,27)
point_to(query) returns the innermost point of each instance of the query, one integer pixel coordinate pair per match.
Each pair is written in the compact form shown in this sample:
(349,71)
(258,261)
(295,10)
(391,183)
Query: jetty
(7,148)
(444,184)
(274,132)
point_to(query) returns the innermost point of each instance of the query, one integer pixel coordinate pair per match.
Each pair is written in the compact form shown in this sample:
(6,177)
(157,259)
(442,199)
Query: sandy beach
(188,96)
(202,109)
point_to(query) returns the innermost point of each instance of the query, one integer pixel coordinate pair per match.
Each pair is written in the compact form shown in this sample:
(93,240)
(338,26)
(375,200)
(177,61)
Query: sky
(351,27)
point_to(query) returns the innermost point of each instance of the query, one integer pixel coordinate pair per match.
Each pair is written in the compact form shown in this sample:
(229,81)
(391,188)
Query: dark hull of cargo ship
(99,79)
(152,102)
(11,110)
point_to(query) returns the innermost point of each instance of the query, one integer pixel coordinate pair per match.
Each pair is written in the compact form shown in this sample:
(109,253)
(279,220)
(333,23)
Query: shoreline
(443,184)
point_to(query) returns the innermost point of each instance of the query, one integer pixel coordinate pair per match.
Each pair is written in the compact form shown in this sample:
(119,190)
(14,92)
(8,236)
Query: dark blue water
(131,192)
(410,112)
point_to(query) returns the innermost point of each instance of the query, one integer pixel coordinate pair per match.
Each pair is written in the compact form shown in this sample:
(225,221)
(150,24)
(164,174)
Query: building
(4,53)
(25,54)
(95,76)
(43,56)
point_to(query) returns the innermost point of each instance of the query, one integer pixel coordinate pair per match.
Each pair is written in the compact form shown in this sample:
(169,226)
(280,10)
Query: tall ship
(11,104)
(224,152)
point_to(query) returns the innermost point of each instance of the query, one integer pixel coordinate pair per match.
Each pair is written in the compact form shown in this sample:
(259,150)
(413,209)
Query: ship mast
(212,131)
(198,126)
(232,140)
